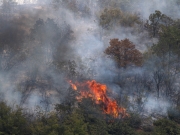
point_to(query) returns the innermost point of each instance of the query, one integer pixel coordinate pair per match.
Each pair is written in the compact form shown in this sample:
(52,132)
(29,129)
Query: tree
(158,77)
(124,52)
(174,114)
(114,17)
(169,41)
(110,18)
(74,124)
(156,21)
(124,5)
(121,128)
(45,32)
(46,125)
(166,127)
(12,122)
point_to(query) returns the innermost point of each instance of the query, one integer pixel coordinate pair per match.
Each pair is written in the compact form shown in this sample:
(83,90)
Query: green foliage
(12,122)
(77,122)
(74,124)
(134,121)
(46,125)
(114,17)
(124,5)
(110,17)
(121,128)
(93,117)
(62,108)
(129,20)
(73,6)
(127,126)
(87,118)
(174,114)
(96,125)
(169,41)
(166,127)
(156,21)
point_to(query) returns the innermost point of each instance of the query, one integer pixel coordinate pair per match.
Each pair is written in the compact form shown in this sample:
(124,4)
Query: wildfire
(98,93)
(72,85)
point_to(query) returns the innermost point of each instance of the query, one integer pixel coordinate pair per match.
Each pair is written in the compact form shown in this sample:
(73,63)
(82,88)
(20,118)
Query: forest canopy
(104,67)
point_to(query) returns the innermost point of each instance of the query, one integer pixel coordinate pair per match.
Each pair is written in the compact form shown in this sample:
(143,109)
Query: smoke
(38,74)
(156,106)
(168,7)
(26,1)
(28,77)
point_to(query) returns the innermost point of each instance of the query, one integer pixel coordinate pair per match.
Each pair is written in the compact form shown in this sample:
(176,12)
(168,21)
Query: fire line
(98,93)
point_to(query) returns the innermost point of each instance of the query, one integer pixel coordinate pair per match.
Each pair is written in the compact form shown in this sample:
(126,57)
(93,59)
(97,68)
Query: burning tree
(124,52)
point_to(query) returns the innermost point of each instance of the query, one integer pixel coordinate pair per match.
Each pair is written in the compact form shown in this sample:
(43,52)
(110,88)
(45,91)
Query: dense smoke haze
(44,43)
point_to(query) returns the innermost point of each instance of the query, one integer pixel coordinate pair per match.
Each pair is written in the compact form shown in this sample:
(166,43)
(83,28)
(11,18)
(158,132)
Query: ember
(72,85)
(98,93)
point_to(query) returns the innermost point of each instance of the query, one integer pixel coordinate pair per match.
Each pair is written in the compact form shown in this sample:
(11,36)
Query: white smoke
(88,48)
(26,1)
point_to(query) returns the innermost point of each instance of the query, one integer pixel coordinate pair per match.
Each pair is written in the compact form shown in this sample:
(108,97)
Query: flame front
(98,93)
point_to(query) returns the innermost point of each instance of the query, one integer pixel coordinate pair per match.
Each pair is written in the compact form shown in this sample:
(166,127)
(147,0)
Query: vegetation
(44,49)
(124,52)
(17,122)
(114,18)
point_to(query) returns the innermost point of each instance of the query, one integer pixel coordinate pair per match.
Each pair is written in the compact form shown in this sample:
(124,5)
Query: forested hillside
(92,67)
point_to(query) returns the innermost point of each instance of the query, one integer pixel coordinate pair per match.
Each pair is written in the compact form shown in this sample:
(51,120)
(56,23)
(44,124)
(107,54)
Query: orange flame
(72,85)
(97,92)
